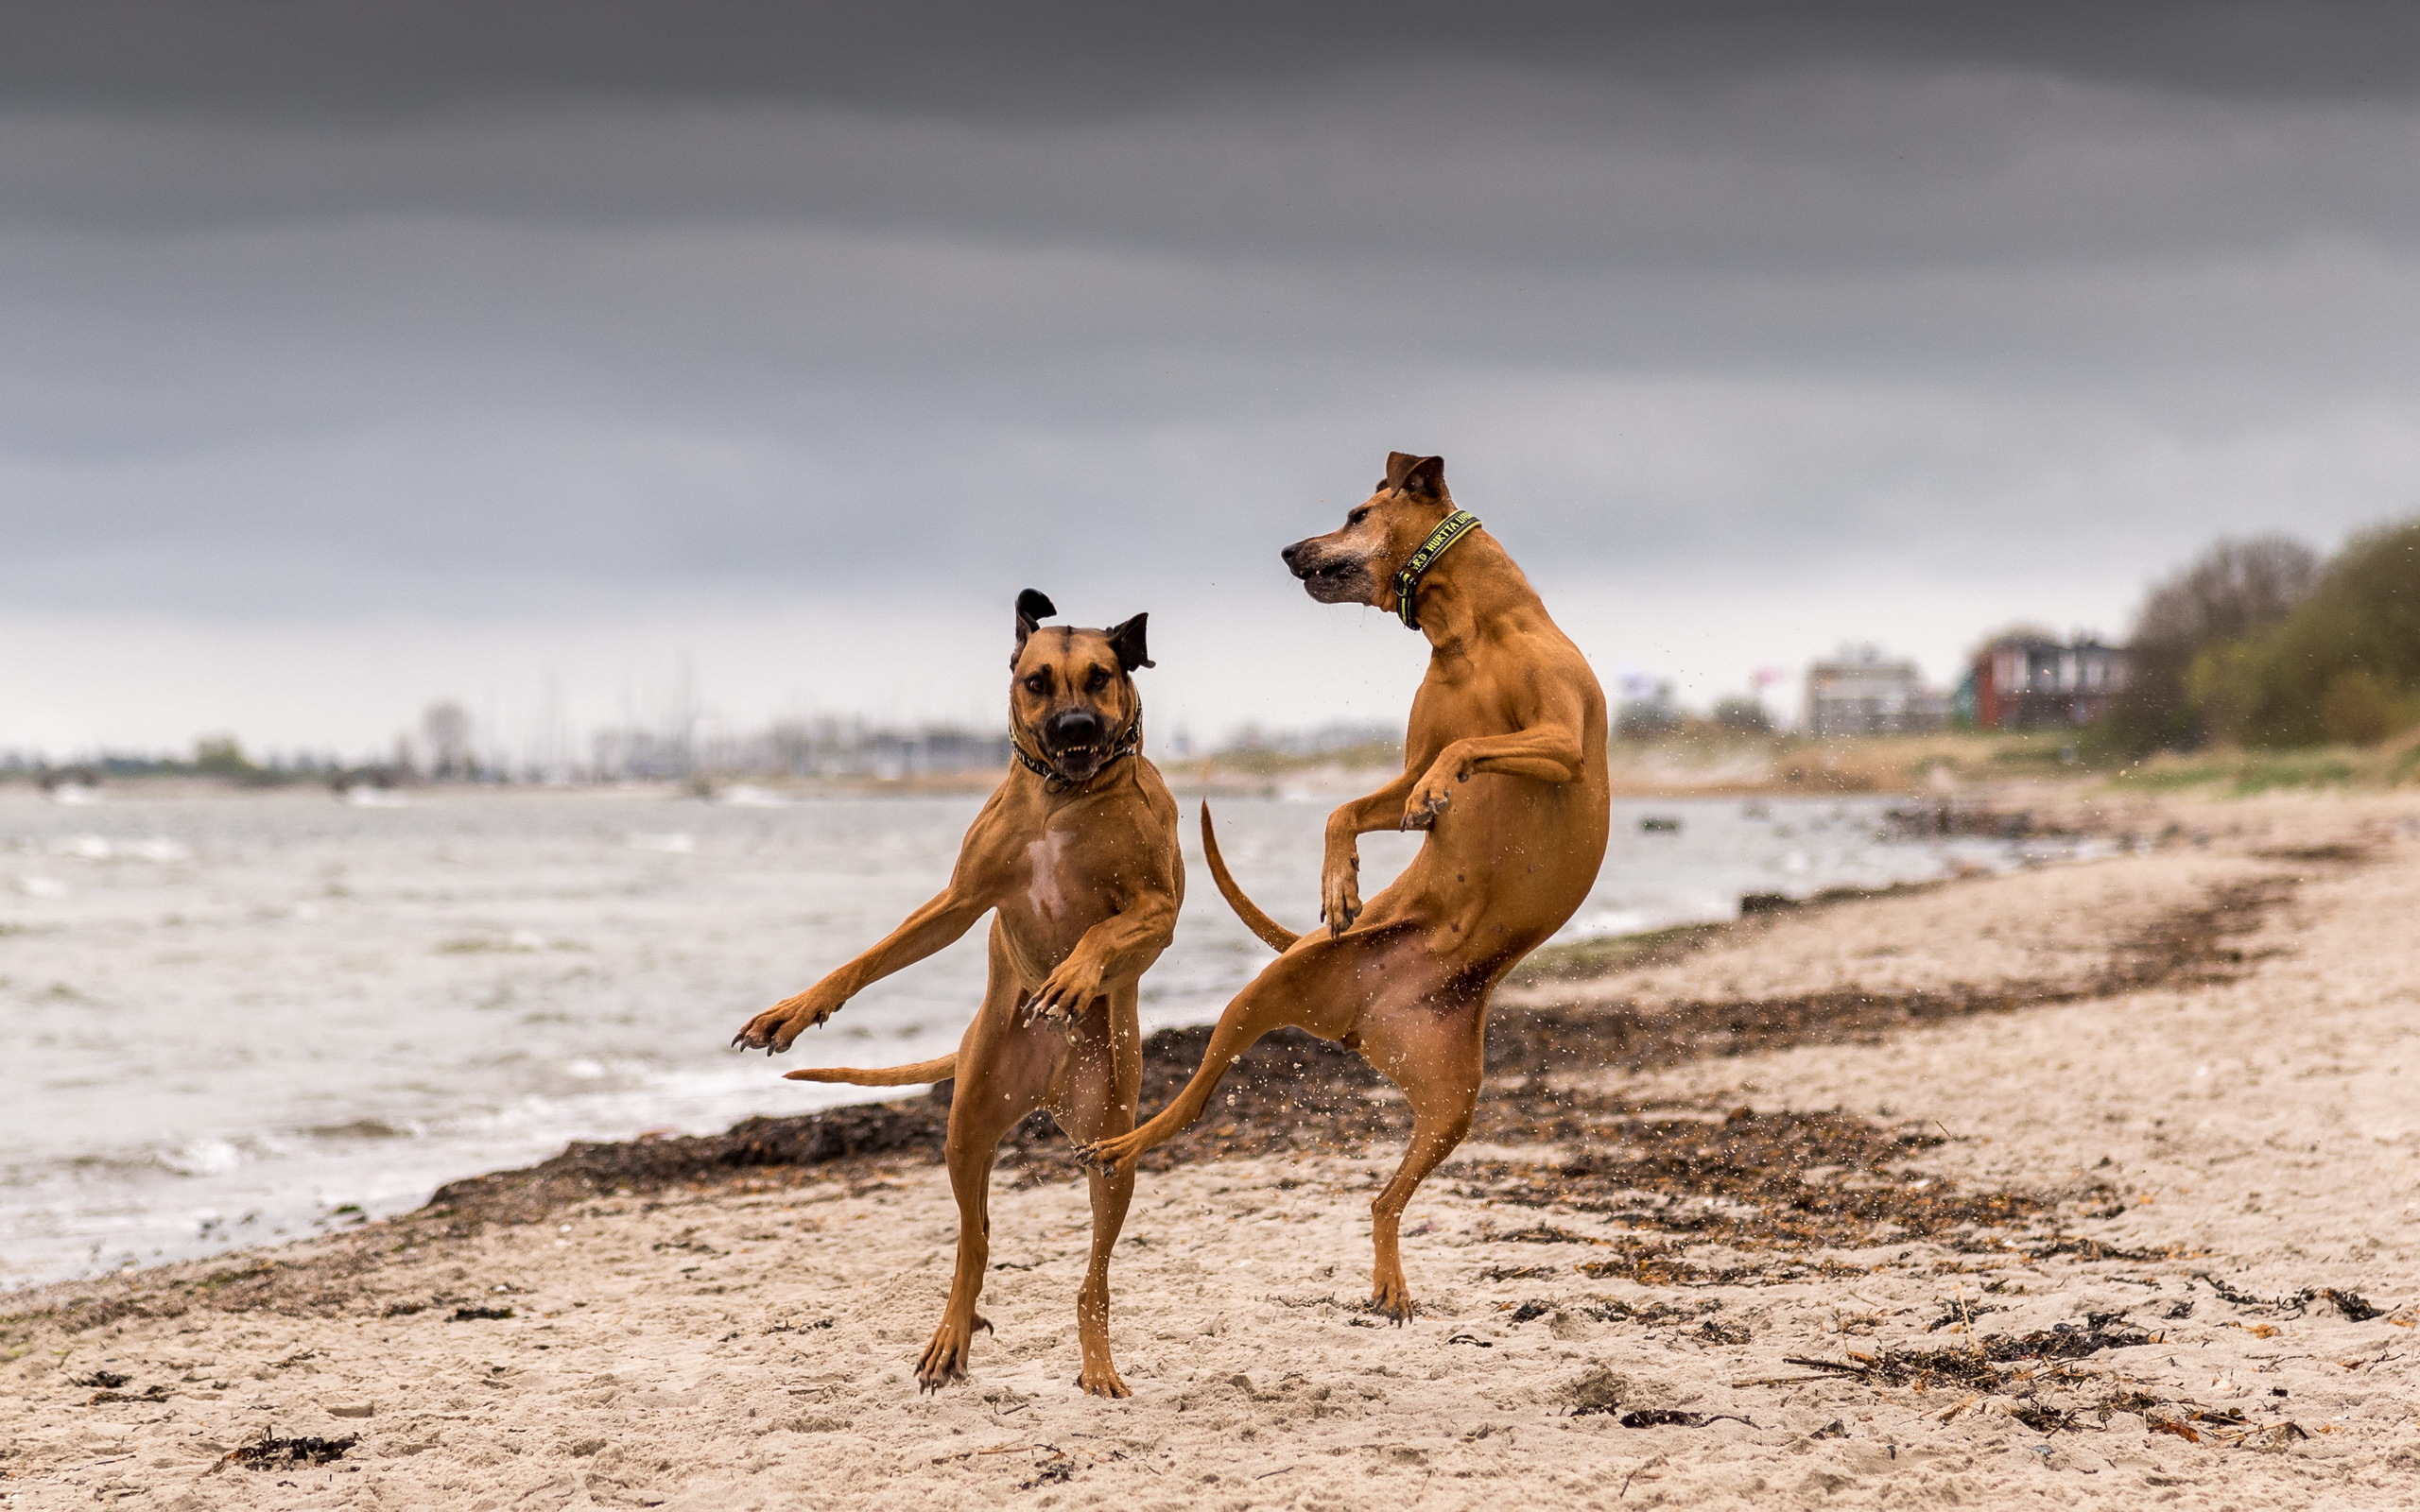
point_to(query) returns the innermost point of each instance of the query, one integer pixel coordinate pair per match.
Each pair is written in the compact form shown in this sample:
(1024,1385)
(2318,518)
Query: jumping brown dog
(1078,852)
(1504,765)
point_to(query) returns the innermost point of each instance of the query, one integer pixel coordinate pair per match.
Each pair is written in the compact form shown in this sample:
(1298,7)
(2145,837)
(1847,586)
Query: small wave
(1602,922)
(664,845)
(514,942)
(201,1157)
(157,849)
(742,795)
(367,1128)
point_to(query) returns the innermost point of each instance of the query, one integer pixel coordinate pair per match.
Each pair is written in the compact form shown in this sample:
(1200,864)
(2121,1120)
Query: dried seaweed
(1916,1367)
(1616,1310)
(2353,1305)
(1056,1470)
(1977,1365)
(1675,1417)
(284,1454)
(1294,1093)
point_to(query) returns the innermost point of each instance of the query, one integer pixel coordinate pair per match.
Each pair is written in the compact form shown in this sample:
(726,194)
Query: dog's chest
(1046,891)
(1455,702)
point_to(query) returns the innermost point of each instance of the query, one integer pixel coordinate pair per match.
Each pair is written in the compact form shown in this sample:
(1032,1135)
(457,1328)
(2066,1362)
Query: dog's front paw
(1427,802)
(1341,894)
(773,1030)
(1108,1155)
(1066,992)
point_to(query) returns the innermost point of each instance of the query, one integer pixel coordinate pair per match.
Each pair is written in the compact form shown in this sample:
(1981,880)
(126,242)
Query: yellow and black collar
(1407,579)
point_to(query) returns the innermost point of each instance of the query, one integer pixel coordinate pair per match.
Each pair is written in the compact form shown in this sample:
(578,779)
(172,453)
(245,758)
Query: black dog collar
(1407,579)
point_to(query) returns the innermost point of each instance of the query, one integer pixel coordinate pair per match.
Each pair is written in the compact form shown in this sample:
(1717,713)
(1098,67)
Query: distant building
(1647,710)
(1857,692)
(2031,681)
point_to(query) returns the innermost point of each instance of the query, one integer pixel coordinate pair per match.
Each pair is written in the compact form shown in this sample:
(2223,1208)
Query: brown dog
(1504,765)
(1076,851)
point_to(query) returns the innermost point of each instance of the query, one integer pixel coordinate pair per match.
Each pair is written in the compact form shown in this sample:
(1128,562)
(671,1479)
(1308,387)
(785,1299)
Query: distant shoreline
(1964,767)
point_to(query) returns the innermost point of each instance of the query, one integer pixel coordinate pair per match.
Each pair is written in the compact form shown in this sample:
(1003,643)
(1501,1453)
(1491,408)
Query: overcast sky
(356,355)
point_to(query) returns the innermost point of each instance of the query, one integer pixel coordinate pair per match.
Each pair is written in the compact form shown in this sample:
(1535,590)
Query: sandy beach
(2092,1185)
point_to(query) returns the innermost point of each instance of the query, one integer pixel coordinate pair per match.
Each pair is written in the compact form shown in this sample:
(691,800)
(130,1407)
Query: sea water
(229,1019)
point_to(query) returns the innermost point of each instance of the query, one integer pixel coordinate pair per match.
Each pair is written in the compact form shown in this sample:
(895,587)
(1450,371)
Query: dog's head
(1354,565)
(1072,695)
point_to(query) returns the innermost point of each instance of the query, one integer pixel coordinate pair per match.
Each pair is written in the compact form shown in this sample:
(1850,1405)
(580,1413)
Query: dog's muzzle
(1328,578)
(1076,743)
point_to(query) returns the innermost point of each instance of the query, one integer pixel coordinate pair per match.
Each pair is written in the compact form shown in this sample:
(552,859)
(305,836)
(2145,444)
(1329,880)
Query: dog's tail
(923,1071)
(1276,935)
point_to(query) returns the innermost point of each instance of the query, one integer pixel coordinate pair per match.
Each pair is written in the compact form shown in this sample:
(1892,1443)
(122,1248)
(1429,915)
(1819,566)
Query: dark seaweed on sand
(1739,1180)
(281,1453)
(1977,1366)
(2353,1305)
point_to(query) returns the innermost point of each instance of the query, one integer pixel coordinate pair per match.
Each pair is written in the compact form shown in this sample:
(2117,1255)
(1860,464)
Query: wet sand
(2088,1186)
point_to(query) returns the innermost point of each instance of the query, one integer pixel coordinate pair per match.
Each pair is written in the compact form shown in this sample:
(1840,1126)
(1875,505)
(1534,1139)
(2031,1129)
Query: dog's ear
(1033,607)
(1127,641)
(1422,477)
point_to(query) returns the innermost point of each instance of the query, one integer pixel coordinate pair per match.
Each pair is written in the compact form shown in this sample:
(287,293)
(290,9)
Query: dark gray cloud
(968,58)
(313,313)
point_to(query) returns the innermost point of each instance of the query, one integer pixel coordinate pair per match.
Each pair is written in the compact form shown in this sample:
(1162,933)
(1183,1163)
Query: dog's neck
(1472,589)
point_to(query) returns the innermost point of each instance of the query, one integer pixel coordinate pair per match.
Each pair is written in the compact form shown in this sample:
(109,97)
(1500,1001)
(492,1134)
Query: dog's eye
(1096,680)
(1357,516)
(1039,682)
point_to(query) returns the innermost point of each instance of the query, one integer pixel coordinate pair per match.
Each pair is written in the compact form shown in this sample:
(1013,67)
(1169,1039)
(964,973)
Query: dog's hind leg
(1436,1051)
(1103,1077)
(1320,986)
(1003,1075)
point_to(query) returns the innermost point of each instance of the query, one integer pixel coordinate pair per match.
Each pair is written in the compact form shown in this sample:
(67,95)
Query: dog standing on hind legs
(1504,765)
(1076,852)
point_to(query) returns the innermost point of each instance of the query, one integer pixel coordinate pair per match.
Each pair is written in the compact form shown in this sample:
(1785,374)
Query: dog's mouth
(1077,754)
(1076,763)
(1335,579)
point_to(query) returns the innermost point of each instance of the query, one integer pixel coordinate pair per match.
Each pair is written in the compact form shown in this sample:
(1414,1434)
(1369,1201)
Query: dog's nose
(1074,727)
(1291,553)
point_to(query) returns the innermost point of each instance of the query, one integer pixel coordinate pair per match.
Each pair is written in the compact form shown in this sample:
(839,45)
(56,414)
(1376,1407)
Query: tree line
(2259,643)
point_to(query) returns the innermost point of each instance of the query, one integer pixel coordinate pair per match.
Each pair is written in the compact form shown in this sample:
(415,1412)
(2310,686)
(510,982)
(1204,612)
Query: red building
(2033,682)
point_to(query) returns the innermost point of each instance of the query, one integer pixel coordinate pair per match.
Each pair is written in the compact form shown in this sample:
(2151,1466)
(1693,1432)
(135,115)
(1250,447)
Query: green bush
(220,756)
(2342,668)
(2234,589)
